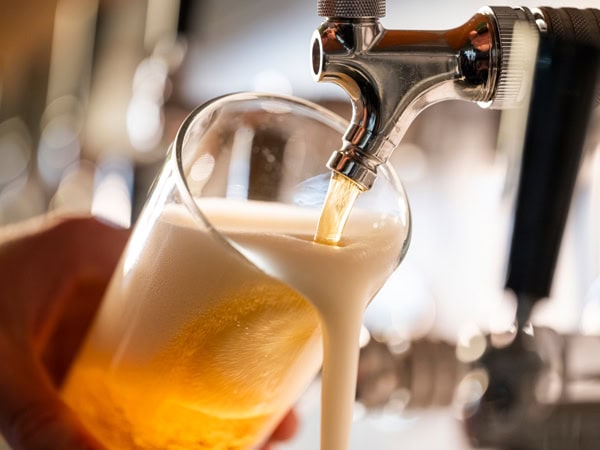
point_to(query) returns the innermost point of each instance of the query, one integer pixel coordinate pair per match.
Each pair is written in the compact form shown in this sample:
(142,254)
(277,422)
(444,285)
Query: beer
(196,347)
(342,314)
(193,348)
(340,199)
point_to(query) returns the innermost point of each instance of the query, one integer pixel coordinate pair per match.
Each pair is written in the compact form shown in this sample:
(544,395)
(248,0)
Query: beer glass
(207,335)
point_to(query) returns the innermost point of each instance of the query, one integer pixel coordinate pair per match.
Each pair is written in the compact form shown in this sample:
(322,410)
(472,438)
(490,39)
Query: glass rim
(175,158)
(322,114)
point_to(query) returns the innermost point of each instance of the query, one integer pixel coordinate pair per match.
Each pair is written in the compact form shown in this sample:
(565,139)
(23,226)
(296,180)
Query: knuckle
(32,425)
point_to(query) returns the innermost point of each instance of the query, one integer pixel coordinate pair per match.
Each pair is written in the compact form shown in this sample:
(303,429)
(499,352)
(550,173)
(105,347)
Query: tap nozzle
(392,75)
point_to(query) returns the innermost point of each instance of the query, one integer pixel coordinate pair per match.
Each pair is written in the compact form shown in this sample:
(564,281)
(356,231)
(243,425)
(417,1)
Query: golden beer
(194,347)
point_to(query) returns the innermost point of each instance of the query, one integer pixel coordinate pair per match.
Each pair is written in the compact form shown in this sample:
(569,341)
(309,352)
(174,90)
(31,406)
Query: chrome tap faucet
(393,75)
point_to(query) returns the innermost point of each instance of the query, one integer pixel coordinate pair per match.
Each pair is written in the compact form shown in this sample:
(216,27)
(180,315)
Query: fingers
(70,330)
(32,416)
(286,429)
(42,426)
(48,268)
(42,262)
(96,249)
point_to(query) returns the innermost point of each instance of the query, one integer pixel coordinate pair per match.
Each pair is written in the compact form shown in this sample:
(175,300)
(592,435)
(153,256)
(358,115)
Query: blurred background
(93,91)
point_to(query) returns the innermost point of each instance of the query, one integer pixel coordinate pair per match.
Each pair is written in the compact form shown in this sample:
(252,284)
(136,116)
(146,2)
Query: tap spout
(393,75)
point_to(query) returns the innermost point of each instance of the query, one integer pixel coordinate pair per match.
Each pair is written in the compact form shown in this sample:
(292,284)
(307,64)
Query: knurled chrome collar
(517,34)
(351,9)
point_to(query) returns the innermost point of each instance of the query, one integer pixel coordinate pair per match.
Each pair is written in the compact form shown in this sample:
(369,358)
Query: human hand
(53,273)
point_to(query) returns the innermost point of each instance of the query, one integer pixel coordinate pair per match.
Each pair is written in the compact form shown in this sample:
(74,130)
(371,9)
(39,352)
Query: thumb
(32,415)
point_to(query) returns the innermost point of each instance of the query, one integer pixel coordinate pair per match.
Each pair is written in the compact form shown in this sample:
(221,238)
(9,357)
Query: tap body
(393,75)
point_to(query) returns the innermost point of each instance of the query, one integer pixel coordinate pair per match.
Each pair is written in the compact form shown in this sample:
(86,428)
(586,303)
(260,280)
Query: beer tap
(393,75)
